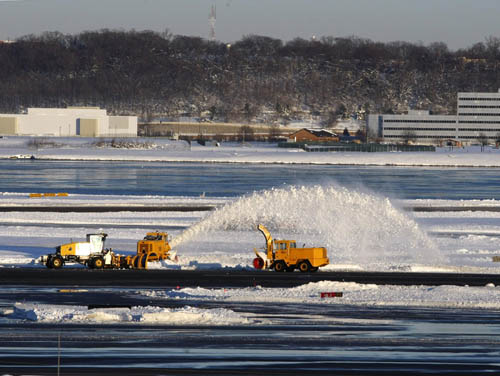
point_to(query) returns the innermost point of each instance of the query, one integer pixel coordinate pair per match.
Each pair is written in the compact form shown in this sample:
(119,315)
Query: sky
(458,23)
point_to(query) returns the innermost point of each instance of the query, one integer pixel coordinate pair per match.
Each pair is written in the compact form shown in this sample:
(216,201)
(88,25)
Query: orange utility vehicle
(283,255)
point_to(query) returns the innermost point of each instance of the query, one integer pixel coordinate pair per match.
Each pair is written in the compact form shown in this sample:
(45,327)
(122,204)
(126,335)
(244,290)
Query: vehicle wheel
(48,264)
(98,263)
(290,269)
(304,266)
(258,263)
(143,262)
(56,262)
(314,269)
(280,266)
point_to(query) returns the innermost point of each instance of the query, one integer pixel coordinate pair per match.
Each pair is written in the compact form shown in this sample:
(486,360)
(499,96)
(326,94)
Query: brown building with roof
(306,134)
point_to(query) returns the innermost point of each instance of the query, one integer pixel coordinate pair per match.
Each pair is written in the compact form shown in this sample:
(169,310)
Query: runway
(74,277)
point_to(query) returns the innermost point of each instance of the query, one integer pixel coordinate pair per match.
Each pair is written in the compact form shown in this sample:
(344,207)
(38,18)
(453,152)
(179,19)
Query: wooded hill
(256,79)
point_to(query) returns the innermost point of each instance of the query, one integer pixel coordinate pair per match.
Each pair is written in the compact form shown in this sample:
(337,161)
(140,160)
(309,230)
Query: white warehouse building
(64,122)
(477,118)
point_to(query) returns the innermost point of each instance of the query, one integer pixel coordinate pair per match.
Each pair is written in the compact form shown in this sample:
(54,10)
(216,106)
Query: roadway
(74,277)
(84,208)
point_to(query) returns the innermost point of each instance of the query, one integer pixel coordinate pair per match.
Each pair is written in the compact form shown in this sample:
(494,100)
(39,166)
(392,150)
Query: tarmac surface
(312,339)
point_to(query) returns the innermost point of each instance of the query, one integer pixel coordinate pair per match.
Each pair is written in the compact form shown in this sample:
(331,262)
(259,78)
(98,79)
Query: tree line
(255,79)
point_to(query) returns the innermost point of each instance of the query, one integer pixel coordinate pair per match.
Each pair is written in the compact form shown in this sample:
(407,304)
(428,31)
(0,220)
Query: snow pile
(8,257)
(47,313)
(353,294)
(354,226)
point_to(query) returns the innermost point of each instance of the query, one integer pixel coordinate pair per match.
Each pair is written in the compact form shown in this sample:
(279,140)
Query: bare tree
(497,139)
(409,137)
(274,132)
(483,140)
(246,133)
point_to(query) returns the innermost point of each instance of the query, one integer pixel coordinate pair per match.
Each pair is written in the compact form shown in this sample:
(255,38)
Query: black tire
(280,266)
(98,263)
(304,266)
(56,262)
(48,264)
(314,269)
(143,262)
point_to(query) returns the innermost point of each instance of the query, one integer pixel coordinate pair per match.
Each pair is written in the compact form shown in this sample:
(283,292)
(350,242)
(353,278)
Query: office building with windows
(477,120)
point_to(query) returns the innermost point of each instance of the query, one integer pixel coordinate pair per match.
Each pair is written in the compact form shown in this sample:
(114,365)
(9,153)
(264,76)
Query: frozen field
(158,149)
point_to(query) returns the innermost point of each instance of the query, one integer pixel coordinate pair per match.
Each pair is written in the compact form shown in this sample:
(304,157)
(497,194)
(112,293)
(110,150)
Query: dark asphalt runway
(40,276)
(190,208)
(104,208)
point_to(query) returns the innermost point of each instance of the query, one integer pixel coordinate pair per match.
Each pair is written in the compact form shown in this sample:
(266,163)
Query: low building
(68,122)
(477,119)
(308,134)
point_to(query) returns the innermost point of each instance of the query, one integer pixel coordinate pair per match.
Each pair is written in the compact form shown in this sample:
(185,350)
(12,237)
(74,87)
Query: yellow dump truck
(153,247)
(283,255)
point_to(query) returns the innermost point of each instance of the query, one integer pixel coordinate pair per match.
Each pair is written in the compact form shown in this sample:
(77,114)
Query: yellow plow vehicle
(154,247)
(283,255)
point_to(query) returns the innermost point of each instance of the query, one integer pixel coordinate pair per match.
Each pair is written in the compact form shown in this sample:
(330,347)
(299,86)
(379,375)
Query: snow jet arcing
(354,226)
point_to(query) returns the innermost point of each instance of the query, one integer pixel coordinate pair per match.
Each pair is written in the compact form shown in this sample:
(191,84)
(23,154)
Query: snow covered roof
(317,132)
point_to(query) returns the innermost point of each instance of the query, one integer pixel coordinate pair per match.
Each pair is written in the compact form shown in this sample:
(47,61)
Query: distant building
(64,122)
(478,117)
(306,134)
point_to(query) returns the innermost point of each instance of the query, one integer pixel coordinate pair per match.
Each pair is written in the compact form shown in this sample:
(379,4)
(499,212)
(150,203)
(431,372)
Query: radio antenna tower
(212,18)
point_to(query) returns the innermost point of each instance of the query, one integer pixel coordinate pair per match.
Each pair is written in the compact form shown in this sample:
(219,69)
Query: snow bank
(47,313)
(353,294)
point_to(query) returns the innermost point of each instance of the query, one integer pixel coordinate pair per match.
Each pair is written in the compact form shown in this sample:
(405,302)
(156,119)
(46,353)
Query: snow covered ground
(367,295)
(383,237)
(157,149)
(361,231)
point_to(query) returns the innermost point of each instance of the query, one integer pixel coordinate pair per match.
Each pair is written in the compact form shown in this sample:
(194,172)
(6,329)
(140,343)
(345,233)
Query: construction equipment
(283,255)
(154,247)
(90,253)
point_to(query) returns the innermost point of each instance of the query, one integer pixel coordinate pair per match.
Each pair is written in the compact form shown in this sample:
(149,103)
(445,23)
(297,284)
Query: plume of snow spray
(354,226)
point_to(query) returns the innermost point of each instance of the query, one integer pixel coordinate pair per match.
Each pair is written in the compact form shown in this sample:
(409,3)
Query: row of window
(438,136)
(476,137)
(478,99)
(442,129)
(478,114)
(463,106)
(418,129)
(444,121)
(479,122)
(416,136)
(419,121)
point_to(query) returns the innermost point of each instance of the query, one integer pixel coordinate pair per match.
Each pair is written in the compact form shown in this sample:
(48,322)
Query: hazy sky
(459,23)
